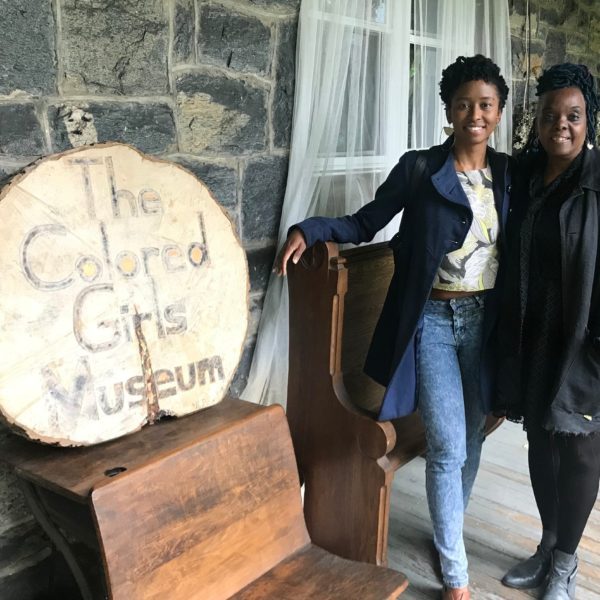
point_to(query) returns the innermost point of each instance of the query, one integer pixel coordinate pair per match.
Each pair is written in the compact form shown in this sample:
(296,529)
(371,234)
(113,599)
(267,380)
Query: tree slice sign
(124,296)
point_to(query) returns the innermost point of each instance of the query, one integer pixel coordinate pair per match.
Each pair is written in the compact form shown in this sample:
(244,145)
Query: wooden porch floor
(501,526)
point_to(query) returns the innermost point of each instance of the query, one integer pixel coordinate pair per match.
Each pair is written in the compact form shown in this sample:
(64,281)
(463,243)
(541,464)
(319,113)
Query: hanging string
(527,57)
(526,118)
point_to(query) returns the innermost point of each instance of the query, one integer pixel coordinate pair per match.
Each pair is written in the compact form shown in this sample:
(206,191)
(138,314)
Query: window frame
(338,164)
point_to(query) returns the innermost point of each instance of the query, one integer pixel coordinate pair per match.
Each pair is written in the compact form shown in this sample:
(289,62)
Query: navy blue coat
(435,221)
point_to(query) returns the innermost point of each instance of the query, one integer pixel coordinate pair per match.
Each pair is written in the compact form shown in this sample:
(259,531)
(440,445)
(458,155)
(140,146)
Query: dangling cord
(524,130)
(527,56)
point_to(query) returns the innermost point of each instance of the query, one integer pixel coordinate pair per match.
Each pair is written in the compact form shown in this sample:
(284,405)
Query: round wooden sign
(123,296)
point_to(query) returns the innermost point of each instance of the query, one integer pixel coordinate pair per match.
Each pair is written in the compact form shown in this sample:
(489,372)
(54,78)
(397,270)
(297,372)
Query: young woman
(430,341)
(550,324)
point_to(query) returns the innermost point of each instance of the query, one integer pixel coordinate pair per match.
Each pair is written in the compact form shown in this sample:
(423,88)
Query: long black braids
(563,76)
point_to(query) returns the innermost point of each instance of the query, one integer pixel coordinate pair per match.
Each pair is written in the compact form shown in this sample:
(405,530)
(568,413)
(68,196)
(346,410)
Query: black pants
(564,471)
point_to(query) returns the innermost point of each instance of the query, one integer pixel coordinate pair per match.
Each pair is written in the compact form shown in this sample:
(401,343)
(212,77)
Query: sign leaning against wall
(123,296)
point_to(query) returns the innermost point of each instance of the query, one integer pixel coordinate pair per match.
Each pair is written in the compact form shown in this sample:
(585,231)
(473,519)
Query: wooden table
(58,481)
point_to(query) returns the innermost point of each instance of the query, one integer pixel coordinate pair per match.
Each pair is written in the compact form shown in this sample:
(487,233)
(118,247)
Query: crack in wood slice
(151,394)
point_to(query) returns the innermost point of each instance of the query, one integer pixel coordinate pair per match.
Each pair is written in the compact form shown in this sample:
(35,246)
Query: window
(391,56)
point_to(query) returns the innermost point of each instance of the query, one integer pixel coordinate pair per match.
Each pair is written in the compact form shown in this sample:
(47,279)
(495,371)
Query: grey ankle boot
(561,582)
(531,572)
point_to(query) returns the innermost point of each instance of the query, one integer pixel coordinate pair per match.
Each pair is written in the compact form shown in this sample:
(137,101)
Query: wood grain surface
(74,472)
(223,518)
(124,295)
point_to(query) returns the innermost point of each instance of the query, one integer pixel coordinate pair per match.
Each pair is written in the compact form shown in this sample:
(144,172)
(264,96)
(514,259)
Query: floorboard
(501,526)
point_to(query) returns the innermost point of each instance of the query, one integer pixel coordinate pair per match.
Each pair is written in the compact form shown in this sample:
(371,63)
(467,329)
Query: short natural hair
(471,68)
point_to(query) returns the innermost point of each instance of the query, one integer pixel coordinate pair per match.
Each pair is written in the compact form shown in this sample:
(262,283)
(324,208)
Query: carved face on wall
(80,126)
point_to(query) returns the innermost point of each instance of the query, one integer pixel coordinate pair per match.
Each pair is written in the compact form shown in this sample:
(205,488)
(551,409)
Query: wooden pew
(223,518)
(346,458)
(204,507)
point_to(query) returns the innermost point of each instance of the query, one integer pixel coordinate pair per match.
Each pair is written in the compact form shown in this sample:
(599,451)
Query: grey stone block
(147,126)
(555,48)
(263,188)
(112,47)
(260,263)
(577,43)
(45,575)
(584,21)
(240,379)
(517,6)
(5,176)
(256,307)
(32,583)
(23,544)
(218,114)
(568,8)
(236,41)
(550,16)
(518,93)
(21,541)
(519,55)
(20,131)
(283,93)
(9,169)
(221,180)
(184,31)
(28,60)
(275,6)
(235,221)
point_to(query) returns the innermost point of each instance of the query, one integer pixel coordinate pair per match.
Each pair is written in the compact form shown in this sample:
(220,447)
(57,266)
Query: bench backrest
(335,300)
(370,269)
(206,521)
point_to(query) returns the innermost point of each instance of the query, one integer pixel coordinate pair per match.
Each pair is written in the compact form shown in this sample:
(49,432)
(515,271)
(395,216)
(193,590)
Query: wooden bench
(207,507)
(346,458)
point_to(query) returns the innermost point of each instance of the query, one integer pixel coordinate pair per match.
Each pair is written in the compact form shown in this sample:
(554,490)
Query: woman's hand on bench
(293,248)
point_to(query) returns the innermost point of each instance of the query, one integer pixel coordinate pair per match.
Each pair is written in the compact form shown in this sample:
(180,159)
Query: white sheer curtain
(366,90)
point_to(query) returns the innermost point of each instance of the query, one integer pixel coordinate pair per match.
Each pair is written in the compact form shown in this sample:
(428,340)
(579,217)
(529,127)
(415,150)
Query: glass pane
(378,10)
(360,113)
(424,99)
(345,193)
(424,17)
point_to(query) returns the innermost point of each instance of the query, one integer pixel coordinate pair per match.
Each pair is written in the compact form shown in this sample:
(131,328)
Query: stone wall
(559,31)
(206,83)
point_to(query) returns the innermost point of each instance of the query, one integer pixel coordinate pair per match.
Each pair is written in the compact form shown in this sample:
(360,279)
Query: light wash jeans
(450,406)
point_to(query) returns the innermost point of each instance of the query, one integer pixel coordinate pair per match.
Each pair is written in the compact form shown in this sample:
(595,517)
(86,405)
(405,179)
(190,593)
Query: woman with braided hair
(549,333)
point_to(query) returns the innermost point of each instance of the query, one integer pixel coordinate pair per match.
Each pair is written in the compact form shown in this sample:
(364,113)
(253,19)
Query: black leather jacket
(575,406)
